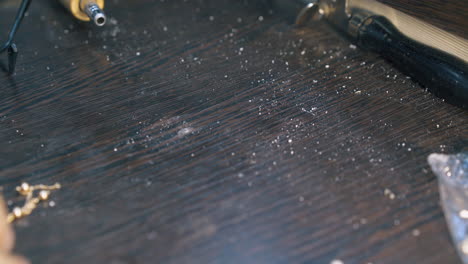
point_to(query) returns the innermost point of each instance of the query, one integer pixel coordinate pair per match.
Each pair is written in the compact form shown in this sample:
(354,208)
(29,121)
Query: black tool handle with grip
(441,73)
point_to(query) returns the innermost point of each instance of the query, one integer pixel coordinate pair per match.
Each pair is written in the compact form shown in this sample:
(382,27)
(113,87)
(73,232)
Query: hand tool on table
(436,59)
(85,10)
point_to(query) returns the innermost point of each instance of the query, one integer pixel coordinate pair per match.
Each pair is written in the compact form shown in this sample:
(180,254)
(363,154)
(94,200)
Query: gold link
(31,201)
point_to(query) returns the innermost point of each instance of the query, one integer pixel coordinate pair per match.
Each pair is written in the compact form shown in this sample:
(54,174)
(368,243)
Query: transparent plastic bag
(452,173)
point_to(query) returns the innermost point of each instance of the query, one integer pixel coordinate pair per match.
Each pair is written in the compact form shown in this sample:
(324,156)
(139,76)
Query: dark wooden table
(207,131)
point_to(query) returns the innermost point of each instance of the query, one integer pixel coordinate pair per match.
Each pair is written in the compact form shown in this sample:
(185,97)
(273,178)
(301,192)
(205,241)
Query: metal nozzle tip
(100,20)
(95,14)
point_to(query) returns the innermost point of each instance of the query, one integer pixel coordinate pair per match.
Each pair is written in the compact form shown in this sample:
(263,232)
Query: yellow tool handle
(86,10)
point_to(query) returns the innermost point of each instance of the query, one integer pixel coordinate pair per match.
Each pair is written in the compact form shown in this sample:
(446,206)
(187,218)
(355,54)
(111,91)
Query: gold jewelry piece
(31,201)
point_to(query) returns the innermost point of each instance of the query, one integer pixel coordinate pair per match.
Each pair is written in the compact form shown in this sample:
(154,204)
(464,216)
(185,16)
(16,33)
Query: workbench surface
(209,131)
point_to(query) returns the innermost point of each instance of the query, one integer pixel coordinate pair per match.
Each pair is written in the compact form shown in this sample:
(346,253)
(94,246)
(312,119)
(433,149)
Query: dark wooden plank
(181,138)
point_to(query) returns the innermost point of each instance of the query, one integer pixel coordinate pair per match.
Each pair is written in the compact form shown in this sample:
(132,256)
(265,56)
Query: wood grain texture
(180,138)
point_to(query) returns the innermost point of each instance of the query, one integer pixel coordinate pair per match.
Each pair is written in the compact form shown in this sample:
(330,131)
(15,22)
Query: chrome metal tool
(87,10)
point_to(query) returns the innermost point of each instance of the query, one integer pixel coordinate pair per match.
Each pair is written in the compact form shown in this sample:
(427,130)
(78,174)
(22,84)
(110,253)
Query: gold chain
(31,201)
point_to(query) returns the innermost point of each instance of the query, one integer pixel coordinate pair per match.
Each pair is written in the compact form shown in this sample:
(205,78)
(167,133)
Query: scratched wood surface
(208,131)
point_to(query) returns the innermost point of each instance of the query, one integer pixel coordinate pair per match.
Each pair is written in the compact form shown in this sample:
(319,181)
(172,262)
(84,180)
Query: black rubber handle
(443,74)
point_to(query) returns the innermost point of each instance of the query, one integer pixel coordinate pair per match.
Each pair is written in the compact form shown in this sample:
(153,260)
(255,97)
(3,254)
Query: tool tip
(95,14)
(99,19)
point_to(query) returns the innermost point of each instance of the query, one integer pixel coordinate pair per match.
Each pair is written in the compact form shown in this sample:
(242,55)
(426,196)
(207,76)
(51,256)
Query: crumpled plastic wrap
(452,173)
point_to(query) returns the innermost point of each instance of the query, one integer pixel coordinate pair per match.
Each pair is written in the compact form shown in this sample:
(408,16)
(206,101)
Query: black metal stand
(9,46)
